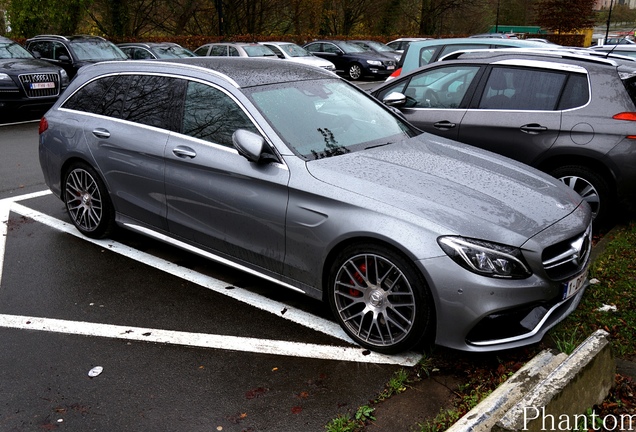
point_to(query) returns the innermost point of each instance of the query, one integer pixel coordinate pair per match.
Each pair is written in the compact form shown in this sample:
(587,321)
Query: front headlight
(486,258)
(4,76)
(374,62)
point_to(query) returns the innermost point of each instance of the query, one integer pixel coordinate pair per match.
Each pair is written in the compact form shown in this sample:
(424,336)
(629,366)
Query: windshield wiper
(378,145)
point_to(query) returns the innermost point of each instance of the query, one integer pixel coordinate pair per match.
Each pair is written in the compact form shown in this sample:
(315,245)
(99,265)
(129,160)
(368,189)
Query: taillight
(44,125)
(629,116)
(395,74)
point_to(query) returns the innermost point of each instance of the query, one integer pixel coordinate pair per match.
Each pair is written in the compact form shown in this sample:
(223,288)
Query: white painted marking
(264,346)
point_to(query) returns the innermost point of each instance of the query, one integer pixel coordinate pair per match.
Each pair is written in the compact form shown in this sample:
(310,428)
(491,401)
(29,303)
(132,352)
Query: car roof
(239,71)
(621,47)
(474,40)
(147,44)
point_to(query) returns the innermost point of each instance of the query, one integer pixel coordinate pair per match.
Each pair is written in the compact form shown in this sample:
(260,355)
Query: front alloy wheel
(355,71)
(379,299)
(87,201)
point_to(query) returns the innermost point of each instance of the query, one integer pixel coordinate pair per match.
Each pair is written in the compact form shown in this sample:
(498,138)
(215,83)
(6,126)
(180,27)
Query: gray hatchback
(291,173)
(570,115)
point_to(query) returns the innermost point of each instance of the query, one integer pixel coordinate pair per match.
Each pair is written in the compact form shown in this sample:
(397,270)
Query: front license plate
(390,67)
(42,85)
(574,285)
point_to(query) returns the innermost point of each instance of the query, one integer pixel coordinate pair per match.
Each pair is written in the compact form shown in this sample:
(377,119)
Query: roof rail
(562,52)
(49,36)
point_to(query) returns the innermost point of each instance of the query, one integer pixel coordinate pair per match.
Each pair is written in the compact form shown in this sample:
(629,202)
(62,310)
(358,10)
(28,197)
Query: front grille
(40,85)
(567,258)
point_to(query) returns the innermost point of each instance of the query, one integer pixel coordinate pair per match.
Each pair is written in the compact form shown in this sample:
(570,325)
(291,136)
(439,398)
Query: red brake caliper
(352,291)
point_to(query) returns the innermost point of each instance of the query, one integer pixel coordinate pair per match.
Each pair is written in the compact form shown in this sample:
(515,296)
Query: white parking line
(183,338)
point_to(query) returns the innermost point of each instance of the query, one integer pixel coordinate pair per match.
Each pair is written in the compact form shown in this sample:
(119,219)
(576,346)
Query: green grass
(614,274)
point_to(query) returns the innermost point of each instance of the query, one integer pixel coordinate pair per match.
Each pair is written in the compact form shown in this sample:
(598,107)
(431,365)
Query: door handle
(444,124)
(533,128)
(101,133)
(184,152)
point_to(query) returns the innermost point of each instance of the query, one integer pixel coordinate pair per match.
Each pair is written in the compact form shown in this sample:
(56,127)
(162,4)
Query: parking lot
(183,343)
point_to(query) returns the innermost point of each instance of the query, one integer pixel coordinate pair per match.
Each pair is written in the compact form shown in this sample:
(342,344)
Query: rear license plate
(574,285)
(42,85)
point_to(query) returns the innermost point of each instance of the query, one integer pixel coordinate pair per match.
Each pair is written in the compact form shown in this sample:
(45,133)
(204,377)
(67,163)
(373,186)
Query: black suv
(570,115)
(27,86)
(73,52)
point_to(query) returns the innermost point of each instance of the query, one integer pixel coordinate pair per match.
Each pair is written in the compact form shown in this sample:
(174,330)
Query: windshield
(323,118)
(350,47)
(13,50)
(377,46)
(294,50)
(96,50)
(165,52)
(258,50)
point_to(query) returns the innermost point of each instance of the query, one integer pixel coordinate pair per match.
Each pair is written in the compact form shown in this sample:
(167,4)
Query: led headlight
(374,62)
(486,258)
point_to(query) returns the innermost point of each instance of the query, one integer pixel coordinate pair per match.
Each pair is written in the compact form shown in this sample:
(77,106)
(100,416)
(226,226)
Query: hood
(26,65)
(460,189)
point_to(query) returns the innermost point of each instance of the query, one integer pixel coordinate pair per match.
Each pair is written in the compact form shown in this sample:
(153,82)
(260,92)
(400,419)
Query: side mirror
(252,147)
(64,59)
(394,99)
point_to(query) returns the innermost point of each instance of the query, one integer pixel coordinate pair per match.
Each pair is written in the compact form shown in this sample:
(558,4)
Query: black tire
(593,187)
(87,201)
(354,72)
(380,299)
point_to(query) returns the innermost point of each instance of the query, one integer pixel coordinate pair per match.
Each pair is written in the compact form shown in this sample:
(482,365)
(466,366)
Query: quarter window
(211,115)
(143,99)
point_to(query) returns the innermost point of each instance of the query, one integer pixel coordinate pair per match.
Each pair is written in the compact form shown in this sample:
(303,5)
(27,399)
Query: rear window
(630,84)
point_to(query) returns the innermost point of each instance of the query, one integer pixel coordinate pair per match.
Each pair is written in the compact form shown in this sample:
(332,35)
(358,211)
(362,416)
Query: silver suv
(572,116)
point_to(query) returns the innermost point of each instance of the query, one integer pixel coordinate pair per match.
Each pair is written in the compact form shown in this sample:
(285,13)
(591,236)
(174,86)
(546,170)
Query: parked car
(400,44)
(154,50)
(295,53)
(289,172)
(73,52)
(28,86)
(495,35)
(237,49)
(627,50)
(618,40)
(420,53)
(352,60)
(570,115)
(378,48)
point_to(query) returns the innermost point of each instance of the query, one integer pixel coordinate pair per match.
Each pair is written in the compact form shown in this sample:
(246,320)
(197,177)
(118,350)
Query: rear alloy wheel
(380,299)
(591,186)
(87,201)
(355,71)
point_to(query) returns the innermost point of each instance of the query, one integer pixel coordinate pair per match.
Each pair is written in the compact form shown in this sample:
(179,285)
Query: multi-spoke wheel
(87,201)
(591,186)
(355,71)
(380,299)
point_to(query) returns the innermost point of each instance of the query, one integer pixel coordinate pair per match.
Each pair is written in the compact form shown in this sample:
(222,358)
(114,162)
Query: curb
(549,389)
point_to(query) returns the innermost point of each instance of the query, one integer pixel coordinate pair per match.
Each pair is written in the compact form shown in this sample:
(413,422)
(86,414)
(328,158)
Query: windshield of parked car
(377,46)
(323,118)
(96,50)
(350,47)
(166,52)
(257,50)
(294,50)
(13,50)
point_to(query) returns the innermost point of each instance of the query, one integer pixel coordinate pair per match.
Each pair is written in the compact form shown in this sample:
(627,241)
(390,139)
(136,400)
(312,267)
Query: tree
(563,16)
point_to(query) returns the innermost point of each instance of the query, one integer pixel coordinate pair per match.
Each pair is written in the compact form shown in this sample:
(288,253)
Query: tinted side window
(149,100)
(576,92)
(427,54)
(522,89)
(44,48)
(211,115)
(443,87)
(92,97)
